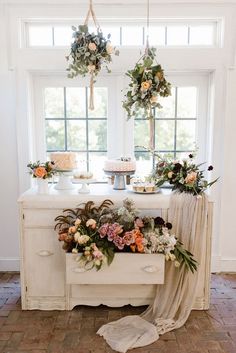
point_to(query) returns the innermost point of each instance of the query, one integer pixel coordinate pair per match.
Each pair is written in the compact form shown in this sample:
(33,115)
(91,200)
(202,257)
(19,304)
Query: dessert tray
(145,192)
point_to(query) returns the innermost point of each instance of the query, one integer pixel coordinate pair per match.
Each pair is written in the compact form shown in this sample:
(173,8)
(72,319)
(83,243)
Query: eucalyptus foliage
(89,51)
(147,84)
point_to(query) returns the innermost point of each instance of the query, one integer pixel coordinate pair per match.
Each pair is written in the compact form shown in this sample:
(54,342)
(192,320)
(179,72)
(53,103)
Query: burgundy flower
(168,225)
(159,221)
(190,155)
(210,168)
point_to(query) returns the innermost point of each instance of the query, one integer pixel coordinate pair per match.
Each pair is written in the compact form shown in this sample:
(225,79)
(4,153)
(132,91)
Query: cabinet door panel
(44,263)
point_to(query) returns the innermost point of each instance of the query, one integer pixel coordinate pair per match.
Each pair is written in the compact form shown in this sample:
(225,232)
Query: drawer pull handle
(79,269)
(44,253)
(150,269)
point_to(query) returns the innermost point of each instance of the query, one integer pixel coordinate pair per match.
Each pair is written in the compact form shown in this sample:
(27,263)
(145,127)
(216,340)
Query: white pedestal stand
(119,182)
(84,185)
(64,182)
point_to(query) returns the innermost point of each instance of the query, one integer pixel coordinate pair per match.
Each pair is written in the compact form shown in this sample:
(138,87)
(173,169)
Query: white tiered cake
(120,165)
(64,161)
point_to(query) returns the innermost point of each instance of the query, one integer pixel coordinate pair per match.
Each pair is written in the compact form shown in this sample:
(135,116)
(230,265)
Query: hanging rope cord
(92,14)
(147,28)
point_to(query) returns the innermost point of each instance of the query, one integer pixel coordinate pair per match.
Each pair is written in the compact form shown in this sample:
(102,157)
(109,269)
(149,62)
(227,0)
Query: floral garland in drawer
(99,232)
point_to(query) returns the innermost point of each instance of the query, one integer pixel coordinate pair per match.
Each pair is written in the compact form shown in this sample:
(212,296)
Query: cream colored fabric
(174,299)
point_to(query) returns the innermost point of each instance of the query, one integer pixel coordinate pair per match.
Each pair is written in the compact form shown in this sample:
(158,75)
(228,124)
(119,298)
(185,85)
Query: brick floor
(212,331)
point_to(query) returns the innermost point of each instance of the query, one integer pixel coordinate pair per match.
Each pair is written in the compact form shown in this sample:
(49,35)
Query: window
(71,126)
(177,126)
(161,33)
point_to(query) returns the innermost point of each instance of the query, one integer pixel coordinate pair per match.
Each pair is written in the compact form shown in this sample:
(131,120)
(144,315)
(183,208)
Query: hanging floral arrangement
(89,52)
(147,84)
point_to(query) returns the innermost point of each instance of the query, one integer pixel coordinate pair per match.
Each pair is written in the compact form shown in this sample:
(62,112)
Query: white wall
(218,63)
(9,252)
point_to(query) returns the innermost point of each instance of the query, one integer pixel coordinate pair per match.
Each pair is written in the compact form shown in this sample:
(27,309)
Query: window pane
(100,103)
(168,104)
(201,35)
(143,163)
(185,139)
(164,134)
(114,32)
(55,135)
(97,131)
(96,163)
(177,35)
(62,35)
(187,102)
(182,155)
(76,135)
(132,35)
(82,161)
(40,36)
(141,133)
(157,35)
(75,102)
(54,102)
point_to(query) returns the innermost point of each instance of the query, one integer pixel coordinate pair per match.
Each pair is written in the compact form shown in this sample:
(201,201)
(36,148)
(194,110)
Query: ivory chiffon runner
(174,299)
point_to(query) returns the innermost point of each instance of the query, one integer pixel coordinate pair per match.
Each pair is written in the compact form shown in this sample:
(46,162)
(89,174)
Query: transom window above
(71,126)
(196,33)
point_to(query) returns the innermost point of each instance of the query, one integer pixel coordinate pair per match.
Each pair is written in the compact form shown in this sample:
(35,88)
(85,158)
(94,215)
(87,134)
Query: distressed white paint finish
(48,283)
(125,269)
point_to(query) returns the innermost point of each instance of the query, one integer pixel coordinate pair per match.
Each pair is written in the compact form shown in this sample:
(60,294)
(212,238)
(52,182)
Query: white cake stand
(119,182)
(64,182)
(84,184)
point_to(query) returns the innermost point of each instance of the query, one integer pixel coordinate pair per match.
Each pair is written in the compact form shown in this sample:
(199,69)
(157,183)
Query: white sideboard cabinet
(49,279)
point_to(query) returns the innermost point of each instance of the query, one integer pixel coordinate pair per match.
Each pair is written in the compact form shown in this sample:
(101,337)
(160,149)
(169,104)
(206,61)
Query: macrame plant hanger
(151,120)
(91,86)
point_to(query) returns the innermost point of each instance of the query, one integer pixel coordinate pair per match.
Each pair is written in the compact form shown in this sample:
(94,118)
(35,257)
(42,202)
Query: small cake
(64,160)
(120,165)
(82,174)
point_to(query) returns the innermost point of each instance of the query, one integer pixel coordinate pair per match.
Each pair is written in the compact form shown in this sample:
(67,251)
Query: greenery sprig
(89,51)
(147,84)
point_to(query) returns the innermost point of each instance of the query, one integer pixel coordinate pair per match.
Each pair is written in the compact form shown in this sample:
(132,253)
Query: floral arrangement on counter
(147,84)
(184,176)
(89,52)
(40,170)
(99,232)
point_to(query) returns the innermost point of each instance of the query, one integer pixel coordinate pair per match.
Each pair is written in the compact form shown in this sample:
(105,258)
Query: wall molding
(223,264)
(9,264)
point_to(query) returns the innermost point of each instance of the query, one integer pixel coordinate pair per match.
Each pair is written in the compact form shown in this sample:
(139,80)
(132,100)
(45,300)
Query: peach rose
(170,174)
(92,46)
(153,99)
(145,85)
(62,236)
(72,229)
(40,172)
(191,178)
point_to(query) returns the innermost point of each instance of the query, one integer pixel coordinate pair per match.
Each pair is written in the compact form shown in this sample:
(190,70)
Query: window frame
(38,126)
(155,21)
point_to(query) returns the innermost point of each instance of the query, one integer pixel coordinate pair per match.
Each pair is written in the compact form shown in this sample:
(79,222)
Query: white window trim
(114,123)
